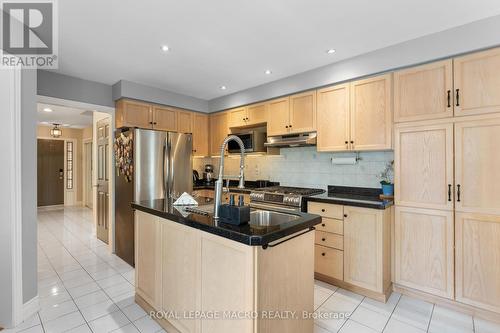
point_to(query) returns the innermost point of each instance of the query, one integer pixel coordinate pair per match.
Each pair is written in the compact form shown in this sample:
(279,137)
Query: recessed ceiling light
(268,71)
(47,109)
(330,51)
(223,87)
(165,48)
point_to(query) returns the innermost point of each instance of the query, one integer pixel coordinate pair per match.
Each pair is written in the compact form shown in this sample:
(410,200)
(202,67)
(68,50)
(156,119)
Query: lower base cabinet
(190,273)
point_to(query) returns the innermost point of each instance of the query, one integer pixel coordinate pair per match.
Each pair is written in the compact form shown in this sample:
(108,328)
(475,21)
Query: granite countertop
(352,196)
(233,185)
(249,234)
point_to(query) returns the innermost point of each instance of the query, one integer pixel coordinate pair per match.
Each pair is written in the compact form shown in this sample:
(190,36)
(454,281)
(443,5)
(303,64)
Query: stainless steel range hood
(291,140)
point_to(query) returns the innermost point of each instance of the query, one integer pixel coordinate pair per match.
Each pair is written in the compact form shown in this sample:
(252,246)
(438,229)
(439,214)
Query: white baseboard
(31,307)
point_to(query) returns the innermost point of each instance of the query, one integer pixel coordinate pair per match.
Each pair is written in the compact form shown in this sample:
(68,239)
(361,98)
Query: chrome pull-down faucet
(220,179)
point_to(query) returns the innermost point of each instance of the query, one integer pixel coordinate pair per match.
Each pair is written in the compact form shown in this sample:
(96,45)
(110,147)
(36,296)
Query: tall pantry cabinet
(447,175)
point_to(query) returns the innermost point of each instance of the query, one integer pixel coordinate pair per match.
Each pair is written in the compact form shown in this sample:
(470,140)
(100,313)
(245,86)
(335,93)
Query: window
(69,165)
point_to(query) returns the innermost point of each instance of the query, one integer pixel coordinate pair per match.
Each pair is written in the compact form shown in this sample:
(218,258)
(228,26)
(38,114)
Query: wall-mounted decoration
(123,156)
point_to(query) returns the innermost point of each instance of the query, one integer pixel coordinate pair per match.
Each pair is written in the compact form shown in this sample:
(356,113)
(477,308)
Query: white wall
(306,167)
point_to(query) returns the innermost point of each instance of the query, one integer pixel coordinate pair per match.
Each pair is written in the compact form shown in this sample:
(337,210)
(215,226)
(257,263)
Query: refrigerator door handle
(165,169)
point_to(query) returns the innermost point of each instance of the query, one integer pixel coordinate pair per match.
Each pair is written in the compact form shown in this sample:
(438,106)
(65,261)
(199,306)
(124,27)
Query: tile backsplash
(305,167)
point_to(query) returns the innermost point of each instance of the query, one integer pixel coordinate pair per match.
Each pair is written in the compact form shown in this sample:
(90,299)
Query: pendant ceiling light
(55,132)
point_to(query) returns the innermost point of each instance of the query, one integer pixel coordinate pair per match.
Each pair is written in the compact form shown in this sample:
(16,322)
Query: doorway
(103,159)
(88,176)
(50,172)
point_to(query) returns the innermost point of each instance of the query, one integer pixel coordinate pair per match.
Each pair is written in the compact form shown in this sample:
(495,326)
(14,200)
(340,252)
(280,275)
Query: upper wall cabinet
(333,118)
(218,131)
(292,114)
(200,128)
(165,118)
(133,114)
(185,122)
(477,83)
(424,92)
(237,117)
(279,116)
(248,116)
(371,113)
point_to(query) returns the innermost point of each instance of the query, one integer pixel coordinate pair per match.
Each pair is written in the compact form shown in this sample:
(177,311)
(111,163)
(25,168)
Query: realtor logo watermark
(29,35)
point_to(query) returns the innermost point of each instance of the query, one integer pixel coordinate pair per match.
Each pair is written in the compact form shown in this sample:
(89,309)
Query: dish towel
(185,200)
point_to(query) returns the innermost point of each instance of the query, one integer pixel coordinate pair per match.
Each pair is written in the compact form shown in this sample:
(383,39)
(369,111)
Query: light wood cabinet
(424,166)
(371,113)
(257,114)
(367,248)
(478,260)
(477,83)
(237,117)
(477,165)
(181,273)
(184,122)
(148,257)
(333,123)
(133,114)
(302,112)
(165,118)
(329,262)
(424,245)
(424,92)
(278,116)
(218,131)
(326,210)
(200,128)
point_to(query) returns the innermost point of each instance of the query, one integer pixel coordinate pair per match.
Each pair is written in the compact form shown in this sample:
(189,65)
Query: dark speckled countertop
(247,234)
(351,196)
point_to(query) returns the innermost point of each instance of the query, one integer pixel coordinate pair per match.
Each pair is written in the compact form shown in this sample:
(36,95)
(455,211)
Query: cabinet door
(424,92)
(181,272)
(279,117)
(133,114)
(477,165)
(424,166)
(424,250)
(363,252)
(477,83)
(184,122)
(226,265)
(200,135)
(165,118)
(147,258)
(371,113)
(257,114)
(237,117)
(218,131)
(333,118)
(303,112)
(478,260)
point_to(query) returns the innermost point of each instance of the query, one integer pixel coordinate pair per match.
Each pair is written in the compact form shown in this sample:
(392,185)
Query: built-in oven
(253,142)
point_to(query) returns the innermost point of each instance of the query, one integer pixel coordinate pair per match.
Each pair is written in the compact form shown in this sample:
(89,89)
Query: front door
(103,180)
(50,172)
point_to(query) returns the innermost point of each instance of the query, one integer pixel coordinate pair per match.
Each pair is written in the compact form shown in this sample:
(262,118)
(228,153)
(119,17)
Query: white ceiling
(232,42)
(66,116)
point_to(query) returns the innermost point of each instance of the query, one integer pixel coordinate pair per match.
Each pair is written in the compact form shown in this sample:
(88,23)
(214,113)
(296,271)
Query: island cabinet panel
(477,83)
(371,113)
(148,258)
(181,273)
(227,283)
(165,118)
(424,92)
(200,129)
(133,114)
(477,165)
(333,123)
(366,248)
(424,166)
(478,260)
(303,112)
(424,245)
(278,122)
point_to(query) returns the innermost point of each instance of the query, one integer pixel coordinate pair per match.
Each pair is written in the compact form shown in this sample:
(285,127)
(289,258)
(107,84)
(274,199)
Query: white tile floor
(84,288)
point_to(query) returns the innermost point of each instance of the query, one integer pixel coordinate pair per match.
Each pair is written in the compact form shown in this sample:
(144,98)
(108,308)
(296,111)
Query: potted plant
(387,179)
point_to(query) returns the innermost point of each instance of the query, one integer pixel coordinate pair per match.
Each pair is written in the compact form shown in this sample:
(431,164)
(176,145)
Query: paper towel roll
(343,160)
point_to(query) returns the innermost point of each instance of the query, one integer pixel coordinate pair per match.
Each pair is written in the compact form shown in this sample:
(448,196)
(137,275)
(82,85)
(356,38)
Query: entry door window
(69,165)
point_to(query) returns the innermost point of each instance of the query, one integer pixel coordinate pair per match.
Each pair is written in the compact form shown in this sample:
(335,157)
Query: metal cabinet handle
(345,215)
(286,126)
(458,193)
(449,192)
(457,97)
(323,239)
(323,254)
(449,98)
(323,225)
(323,210)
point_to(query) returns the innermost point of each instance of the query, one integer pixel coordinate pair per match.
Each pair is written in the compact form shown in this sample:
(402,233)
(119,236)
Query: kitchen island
(206,276)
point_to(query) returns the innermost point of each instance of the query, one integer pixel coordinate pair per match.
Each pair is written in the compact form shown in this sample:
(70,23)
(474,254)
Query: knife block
(235,215)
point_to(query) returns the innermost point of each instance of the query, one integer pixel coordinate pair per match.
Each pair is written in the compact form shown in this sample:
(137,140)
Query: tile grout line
(392,312)
(430,319)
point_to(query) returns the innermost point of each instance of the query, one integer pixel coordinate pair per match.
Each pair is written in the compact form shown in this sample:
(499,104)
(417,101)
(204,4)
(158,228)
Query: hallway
(82,287)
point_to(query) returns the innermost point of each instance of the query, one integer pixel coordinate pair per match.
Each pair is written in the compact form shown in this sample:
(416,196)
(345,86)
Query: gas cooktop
(291,190)
(282,195)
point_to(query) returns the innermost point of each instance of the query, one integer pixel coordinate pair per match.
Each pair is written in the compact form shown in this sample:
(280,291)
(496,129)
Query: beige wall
(78,135)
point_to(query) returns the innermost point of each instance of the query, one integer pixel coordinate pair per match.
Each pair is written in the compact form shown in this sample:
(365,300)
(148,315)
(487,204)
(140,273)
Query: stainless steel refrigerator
(150,165)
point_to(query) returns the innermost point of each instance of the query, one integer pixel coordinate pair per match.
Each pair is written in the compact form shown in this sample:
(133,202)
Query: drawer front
(326,210)
(329,262)
(330,240)
(331,225)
